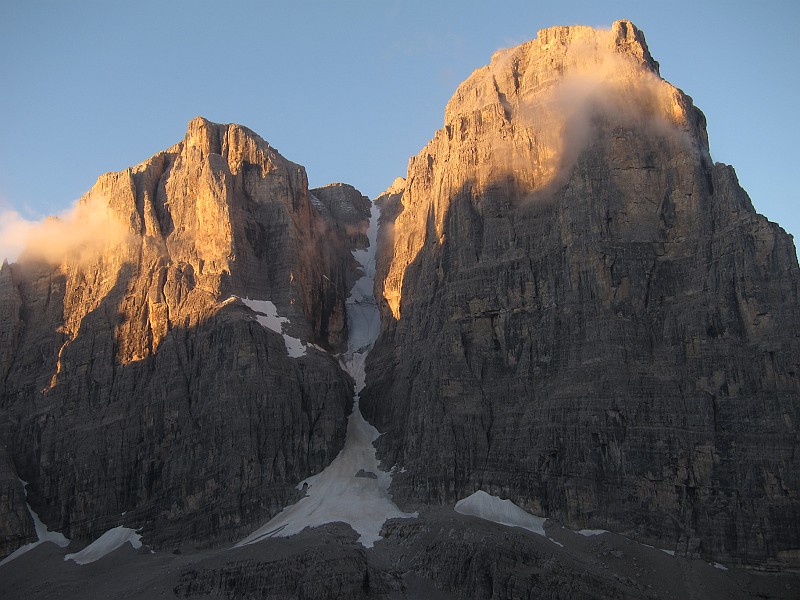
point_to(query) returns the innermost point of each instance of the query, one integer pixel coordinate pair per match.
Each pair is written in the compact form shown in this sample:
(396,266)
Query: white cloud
(78,234)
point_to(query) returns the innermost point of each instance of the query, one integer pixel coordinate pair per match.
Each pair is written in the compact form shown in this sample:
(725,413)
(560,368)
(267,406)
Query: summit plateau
(560,358)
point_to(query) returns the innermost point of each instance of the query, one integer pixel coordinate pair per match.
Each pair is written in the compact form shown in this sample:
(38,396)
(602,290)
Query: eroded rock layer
(137,389)
(583,313)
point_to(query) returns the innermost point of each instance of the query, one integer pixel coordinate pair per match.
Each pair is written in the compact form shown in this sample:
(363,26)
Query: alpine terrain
(560,358)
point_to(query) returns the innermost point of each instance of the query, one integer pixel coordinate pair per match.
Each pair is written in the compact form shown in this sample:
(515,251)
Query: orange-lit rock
(134,382)
(584,314)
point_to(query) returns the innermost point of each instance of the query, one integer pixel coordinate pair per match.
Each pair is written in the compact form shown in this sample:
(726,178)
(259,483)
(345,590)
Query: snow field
(592,532)
(352,489)
(42,533)
(267,316)
(491,508)
(106,544)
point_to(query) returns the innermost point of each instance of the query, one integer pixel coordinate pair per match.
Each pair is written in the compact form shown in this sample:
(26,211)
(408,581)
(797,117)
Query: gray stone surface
(580,312)
(135,391)
(609,336)
(442,555)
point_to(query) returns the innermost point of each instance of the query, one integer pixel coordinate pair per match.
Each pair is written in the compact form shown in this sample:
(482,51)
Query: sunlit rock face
(583,313)
(133,378)
(580,313)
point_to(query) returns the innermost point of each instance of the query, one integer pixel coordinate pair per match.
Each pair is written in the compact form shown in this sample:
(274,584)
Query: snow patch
(664,550)
(352,489)
(592,532)
(491,508)
(267,316)
(42,533)
(106,544)
(341,493)
(19,552)
(364,319)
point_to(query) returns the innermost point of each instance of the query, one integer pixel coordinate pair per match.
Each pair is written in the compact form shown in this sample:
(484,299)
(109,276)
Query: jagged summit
(595,308)
(152,345)
(558,53)
(236,143)
(521,123)
(398,185)
(582,324)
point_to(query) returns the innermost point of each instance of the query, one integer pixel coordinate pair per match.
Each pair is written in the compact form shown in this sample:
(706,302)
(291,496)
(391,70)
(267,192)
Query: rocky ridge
(137,390)
(584,314)
(442,555)
(580,312)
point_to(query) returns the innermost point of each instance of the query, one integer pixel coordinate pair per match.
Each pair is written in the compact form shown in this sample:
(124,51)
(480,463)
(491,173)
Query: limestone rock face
(349,211)
(345,206)
(584,314)
(137,388)
(581,312)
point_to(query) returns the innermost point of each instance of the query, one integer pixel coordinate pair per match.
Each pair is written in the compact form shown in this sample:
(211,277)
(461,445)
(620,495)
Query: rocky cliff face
(580,312)
(583,313)
(137,388)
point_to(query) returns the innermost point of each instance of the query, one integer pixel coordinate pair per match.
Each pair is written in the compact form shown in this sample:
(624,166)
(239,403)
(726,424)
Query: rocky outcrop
(347,208)
(16,527)
(323,563)
(442,555)
(580,312)
(137,389)
(583,313)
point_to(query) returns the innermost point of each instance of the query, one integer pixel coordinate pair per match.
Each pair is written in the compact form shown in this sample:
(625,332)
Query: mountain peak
(203,134)
(558,57)
(579,312)
(567,213)
(626,37)
(623,37)
(234,142)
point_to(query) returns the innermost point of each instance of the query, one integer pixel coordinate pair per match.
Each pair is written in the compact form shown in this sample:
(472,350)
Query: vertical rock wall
(137,390)
(584,314)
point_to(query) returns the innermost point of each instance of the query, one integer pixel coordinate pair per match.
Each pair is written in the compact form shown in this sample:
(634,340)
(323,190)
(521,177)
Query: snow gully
(352,489)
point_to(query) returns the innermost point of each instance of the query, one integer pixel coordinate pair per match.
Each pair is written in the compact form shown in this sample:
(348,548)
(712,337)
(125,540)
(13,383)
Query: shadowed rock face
(133,383)
(584,314)
(440,556)
(580,312)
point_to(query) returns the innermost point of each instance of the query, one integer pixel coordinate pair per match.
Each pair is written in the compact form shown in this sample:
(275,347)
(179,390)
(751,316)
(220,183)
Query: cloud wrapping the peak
(78,235)
(594,87)
(14,232)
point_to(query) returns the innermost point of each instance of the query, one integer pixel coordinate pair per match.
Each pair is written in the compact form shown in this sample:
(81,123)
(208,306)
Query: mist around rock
(570,370)
(601,85)
(79,235)
(353,489)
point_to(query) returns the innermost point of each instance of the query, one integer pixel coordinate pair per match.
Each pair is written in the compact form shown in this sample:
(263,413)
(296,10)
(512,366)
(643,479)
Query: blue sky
(350,90)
